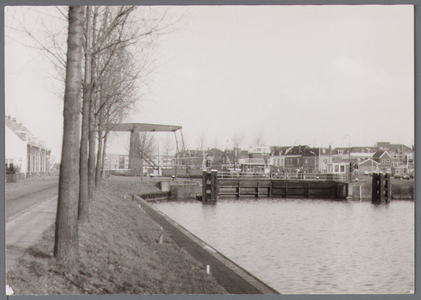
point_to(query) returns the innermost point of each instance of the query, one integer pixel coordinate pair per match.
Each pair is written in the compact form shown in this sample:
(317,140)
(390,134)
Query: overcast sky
(294,74)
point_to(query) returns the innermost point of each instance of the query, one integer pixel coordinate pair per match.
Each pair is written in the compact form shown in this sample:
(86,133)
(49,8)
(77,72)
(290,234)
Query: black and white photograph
(209,149)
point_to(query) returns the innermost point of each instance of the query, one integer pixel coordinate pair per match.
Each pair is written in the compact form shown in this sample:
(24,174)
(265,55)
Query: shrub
(13,170)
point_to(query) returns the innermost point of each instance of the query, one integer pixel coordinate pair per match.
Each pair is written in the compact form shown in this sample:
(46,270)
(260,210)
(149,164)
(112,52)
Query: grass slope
(118,254)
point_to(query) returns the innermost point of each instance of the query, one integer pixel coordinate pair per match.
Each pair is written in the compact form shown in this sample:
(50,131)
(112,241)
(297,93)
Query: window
(336,169)
(121,162)
(342,169)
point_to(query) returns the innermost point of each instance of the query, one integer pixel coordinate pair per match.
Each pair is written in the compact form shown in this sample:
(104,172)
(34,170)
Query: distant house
(316,160)
(358,154)
(338,154)
(115,162)
(384,159)
(338,168)
(277,158)
(216,156)
(252,165)
(368,165)
(401,155)
(192,158)
(25,151)
(260,152)
(293,158)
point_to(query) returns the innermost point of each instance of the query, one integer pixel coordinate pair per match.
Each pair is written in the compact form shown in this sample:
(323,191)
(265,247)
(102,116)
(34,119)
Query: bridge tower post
(135,159)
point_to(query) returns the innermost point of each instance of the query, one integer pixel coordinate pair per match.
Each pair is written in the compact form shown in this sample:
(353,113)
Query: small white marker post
(207,269)
(9,290)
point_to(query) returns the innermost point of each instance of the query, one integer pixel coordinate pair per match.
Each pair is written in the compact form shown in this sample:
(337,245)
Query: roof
(17,128)
(317,151)
(360,150)
(296,150)
(336,150)
(379,154)
(399,147)
(276,151)
(214,151)
(369,161)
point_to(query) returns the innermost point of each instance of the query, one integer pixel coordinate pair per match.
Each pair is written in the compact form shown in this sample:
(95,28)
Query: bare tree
(201,142)
(110,31)
(237,139)
(66,231)
(147,144)
(84,143)
(259,139)
(168,146)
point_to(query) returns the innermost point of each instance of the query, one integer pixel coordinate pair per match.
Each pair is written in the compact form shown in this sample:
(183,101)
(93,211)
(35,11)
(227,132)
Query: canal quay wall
(176,190)
(400,190)
(228,274)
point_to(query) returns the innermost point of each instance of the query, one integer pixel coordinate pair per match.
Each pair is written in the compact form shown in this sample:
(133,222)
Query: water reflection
(310,246)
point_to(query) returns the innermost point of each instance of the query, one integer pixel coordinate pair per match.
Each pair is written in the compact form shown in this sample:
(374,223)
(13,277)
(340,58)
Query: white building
(24,151)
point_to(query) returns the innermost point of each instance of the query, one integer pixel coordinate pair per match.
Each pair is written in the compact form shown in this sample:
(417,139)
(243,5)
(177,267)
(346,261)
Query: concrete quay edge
(228,274)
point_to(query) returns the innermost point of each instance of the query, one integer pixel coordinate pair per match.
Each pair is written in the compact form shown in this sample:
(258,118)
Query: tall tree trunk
(104,153)
(92,155)
(87,94)
(98,158)
(92,124)
(100,139)
(66,230)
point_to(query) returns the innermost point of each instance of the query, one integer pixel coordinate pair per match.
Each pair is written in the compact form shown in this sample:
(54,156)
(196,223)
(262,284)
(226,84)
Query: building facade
(25,153)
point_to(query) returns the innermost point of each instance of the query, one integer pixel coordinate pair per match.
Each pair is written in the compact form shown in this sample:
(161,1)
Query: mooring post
(209,185)
(381,188)
(388,187)
(214,185)
(205,186)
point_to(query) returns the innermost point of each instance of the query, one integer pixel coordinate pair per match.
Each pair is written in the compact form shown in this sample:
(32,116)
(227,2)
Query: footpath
(25,229)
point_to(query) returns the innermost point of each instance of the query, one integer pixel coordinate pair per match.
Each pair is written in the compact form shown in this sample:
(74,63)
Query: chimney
(20,123)
(9,117)
(14,119)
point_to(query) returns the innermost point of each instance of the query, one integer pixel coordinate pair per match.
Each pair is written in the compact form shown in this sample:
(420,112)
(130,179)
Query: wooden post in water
(381,189)
(209,186)
(214,185)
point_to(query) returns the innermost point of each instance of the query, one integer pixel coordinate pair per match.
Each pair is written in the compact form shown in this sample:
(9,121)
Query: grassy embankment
(401,189)
(118,254)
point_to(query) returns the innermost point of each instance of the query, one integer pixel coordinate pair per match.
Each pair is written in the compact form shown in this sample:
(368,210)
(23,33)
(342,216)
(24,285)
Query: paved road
(27,194)
(30,209)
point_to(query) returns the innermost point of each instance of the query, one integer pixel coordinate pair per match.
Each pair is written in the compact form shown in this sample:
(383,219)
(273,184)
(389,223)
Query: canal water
(310,246)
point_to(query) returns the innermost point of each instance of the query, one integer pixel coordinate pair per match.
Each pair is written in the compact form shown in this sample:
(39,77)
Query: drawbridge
(136,157)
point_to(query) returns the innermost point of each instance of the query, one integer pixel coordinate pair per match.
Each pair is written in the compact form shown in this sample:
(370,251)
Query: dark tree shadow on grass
(37,253)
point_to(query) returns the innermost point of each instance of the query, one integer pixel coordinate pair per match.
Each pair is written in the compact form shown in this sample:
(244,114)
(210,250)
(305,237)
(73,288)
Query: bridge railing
(236,175)
(311,176)
(285,176)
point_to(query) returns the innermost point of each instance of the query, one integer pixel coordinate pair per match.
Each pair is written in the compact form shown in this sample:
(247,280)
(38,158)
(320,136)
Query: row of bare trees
(237,140)
(105,65)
